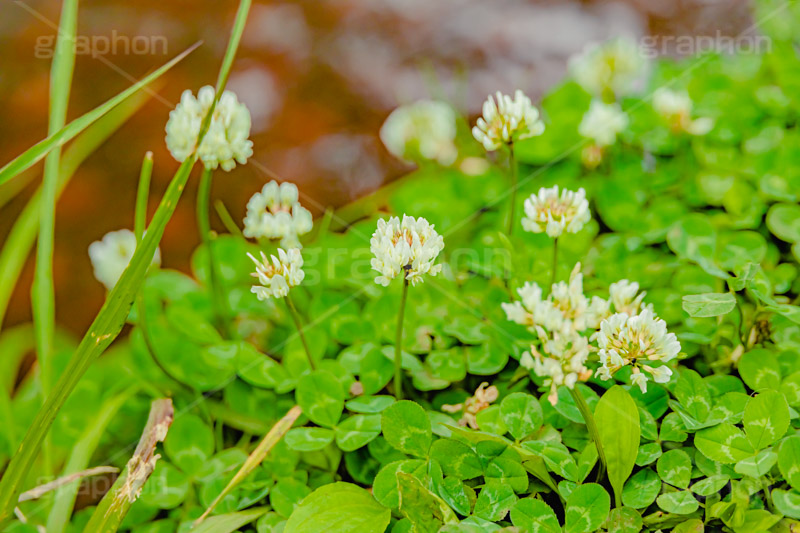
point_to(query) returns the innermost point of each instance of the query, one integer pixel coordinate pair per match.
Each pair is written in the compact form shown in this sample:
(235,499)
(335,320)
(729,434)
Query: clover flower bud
(275,213)
(423,130)
(277,275)
(507,120)
(111,256)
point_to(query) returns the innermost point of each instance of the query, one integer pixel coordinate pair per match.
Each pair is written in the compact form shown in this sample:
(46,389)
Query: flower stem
(555,261)
(583,407)
(217,297)
(299,325)
(512,164)
(398,348)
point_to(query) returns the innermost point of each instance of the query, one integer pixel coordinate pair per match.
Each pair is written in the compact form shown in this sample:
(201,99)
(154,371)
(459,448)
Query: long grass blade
(230,522)
(115,504)
(111,318)
(256,458)
(142,193)
(35,153)
(43,290)
(20,239)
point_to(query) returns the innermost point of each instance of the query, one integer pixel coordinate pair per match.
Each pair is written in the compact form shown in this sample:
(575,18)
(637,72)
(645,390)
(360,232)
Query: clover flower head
(562,361)
(676,108)
(423,130)
(506,120)
(624,295)
(602,123)
(483,398)
(277,275)
(409,246)
(275,213)
(111,256)
(609,69)
(634,340)
(551,212)
(227,140)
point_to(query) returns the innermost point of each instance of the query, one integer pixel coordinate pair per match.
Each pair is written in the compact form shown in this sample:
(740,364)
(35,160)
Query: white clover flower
(278,275)
(423,130)
(676,108)
(506,121)
(111,256)
(609,69)
(410,246)
(562,361)
(226,141)
(633,340)
(602,123)
(533,310)
(548,211)
(275,213)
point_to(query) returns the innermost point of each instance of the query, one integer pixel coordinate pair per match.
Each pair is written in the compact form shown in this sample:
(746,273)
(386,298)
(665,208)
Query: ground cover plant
(575,316)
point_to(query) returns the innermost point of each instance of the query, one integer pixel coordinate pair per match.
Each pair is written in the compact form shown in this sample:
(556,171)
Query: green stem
(217,296)
(398,342)
(226,218)
(512,163)
(299,325)
(142,194)
(583,407)
(555,261)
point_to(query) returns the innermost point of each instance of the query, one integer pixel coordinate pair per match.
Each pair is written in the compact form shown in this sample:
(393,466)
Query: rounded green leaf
(406,427)
(759,369)
(385,487)
(709,304)
(783,220)
(624,520)
(724,443)
(680,502)
(321,397)
(587,508)
(641,489)
(766,418)
(529,514)
(339,507)
(356,431)
(456,459)
(675,468)
(710,485)
(494,501)
(789,460)
(521,413)
(308,439)
(189,443)
(787,502)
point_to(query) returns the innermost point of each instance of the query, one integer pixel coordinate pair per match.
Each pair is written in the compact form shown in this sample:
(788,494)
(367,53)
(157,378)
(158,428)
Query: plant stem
(555,261)
(299,325)
(583,407)
(512,163)
(398,342)
(217,297)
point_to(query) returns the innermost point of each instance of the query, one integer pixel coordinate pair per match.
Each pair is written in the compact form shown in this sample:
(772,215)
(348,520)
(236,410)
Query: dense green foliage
(708,225)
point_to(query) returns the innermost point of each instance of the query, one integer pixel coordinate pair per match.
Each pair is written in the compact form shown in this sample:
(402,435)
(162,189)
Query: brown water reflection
(318,77)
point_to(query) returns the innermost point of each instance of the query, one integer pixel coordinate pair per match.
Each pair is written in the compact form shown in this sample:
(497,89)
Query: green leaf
(724,444)
(759,369)
(385,487)
(624,520)
(758,465)
(789,460)
(529,514)
(228,523)
(648,453)
(369,404)
(783,220)
(426,511)
(357,431)
(190,443)
(456,458)
(709,304)
(787,502)
(766,418)
(321,397)
(680,502)
(641,489)
(406,427)
(308,439)
(693,395)
(494,501)
(337,506)
(617,420)
(521,413)
(675,468)
(587,508)
(456,494)
(710,485)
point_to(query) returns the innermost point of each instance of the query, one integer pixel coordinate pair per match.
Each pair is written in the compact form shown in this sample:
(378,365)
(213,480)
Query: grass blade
(142,194)
(228,523)
(37,492)
(43,290)
(109,321)
(115,504)
(254,459)
(35,153)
